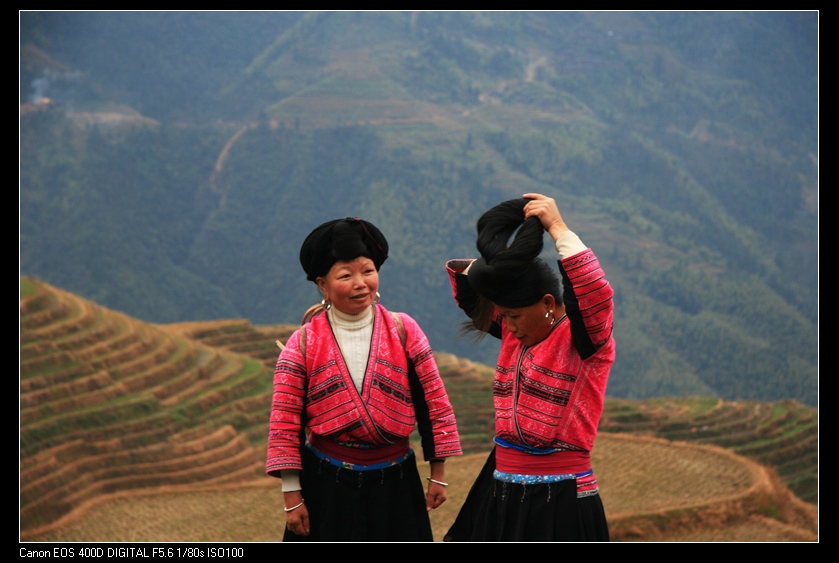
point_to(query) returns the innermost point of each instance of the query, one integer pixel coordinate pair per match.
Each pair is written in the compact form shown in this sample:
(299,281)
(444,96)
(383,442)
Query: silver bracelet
(438,482)
(295,507)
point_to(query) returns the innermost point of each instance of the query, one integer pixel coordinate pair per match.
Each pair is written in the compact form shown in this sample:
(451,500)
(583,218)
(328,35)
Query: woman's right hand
(546,210)
(297,520)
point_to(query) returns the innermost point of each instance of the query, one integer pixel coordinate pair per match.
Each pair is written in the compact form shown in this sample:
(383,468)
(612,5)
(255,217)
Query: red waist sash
(511,460)
(358,455)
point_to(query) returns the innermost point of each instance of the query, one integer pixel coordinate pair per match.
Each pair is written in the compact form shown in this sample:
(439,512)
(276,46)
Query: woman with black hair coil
(556,352)
(350,386)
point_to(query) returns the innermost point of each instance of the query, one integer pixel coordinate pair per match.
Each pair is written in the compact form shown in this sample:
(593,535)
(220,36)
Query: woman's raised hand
(546,210)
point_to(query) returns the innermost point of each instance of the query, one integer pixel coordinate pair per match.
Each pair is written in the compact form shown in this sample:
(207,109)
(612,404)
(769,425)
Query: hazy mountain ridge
(685,164)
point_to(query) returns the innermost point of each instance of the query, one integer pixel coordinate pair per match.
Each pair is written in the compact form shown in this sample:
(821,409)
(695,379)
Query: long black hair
(509,274)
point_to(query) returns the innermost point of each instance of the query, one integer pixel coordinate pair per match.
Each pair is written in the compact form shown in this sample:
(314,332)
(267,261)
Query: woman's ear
(549,301)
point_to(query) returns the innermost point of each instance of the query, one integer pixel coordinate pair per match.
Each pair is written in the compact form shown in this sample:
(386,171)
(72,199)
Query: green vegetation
(680,146)
(27,288)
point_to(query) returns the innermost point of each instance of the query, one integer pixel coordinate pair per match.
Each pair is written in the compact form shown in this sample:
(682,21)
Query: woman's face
(530,324)
(351,285)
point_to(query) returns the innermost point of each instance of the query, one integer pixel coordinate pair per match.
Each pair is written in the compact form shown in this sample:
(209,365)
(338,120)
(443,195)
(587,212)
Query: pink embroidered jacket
(551,395)
(384,414)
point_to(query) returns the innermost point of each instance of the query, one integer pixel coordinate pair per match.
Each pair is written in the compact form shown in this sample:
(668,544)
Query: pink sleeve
(286,409)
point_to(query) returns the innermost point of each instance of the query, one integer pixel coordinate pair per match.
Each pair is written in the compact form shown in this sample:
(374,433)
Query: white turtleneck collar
(353,333)
(351,322)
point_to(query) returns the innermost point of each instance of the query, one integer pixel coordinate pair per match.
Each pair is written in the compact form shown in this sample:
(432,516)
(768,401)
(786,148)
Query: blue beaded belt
(522,479)
(358,466)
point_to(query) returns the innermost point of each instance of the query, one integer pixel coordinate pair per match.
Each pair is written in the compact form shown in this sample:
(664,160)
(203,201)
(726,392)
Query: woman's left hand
(435,496)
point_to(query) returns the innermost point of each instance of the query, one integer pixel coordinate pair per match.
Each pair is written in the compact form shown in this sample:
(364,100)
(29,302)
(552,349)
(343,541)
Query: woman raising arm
(557,349)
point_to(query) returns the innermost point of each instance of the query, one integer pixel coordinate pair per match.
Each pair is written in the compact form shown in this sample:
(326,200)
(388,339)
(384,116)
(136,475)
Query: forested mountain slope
(172,163)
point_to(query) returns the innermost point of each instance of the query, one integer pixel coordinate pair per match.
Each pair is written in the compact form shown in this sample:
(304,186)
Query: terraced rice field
(139,432)
(706,494)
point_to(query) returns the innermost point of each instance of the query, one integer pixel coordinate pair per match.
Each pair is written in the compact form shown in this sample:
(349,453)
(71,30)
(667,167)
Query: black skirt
(547,512)
(385,505)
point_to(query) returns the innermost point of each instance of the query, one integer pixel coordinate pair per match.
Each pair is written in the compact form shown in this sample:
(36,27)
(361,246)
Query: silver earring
(377,298)
(327,305)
